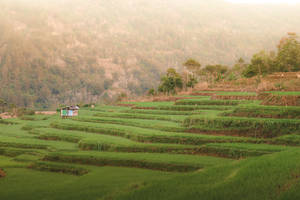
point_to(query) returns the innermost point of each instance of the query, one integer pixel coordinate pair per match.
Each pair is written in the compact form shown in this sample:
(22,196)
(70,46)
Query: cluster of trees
(170,82)
(13,109)
(285,59)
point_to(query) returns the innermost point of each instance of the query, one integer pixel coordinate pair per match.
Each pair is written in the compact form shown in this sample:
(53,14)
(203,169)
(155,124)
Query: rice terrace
(204,148)
(149,100)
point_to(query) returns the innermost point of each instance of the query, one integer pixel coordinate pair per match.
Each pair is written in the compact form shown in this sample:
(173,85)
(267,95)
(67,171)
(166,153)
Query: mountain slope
(70,51)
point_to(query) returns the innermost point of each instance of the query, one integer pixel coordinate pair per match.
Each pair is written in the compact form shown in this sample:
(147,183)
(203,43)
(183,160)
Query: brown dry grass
(278,100)
(285,81)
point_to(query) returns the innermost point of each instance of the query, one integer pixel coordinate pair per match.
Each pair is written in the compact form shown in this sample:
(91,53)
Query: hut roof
(71,108)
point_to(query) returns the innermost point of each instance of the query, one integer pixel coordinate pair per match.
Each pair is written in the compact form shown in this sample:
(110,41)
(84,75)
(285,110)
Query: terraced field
(194,148)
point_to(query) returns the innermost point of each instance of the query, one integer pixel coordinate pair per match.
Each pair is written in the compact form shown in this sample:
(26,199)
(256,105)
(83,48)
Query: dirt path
(7,115)
(45,112)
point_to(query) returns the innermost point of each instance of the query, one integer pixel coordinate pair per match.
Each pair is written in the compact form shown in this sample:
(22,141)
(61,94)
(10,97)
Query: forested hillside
(63,51)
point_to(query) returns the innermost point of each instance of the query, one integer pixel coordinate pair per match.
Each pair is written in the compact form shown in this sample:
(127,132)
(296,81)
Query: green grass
(91,141)
(7,122)
(147,135)
(176,118)
(150,104)
(282,93)
(34,117)
(266,112)
(251,127)
(58,168)
(240,150)
(193,108)
(229,93)
(210,102)
(153,124)
(103,108)
(292,140)
(13,152)
(268,177)
(99,183)
(180,163)
(237,93)
(161,112)
(32,143)
(8,162)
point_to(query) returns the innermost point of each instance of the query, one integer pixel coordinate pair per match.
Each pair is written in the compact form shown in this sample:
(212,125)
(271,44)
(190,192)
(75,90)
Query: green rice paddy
(193,148)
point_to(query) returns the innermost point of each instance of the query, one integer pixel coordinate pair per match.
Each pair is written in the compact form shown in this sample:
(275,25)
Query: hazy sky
(265,1)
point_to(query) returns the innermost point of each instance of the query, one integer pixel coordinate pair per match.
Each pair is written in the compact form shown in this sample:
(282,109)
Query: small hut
(69,111)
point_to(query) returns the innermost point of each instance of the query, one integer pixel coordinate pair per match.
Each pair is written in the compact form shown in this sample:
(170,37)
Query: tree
(190,76)
(151,92)
(215,72)
(3,105)
(170,82)
(121,97)
(239,67)
(261,64)
(192,81)
(288,57)
(192,65)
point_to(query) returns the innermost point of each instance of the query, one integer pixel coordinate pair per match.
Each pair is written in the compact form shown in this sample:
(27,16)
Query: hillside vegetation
(67,51)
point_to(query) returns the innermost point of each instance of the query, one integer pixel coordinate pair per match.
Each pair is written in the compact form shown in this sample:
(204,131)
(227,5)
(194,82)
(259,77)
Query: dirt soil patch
(2,173)
(224,97)
(125,105)
(7,115)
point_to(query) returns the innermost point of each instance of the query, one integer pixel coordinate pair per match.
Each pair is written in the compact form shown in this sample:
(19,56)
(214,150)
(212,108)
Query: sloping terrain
(191,149)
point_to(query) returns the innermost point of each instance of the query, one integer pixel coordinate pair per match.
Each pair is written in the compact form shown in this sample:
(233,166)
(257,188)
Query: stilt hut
(69,111)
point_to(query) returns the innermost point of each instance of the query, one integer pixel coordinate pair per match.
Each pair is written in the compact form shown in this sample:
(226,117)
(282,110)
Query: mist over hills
(67,51)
